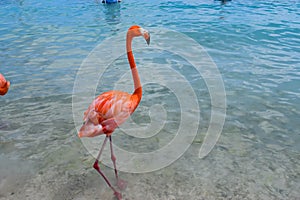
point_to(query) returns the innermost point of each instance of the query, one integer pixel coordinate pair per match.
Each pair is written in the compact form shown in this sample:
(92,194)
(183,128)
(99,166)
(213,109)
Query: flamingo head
(136,31)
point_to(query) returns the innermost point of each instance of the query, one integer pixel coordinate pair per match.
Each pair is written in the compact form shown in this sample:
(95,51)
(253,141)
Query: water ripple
(255,44)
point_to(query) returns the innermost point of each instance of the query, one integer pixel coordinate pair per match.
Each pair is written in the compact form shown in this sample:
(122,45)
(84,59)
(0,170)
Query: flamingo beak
(146,35)
(148,39)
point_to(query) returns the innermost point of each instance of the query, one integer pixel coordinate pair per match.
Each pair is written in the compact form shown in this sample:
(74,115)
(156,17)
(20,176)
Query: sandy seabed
(224,174)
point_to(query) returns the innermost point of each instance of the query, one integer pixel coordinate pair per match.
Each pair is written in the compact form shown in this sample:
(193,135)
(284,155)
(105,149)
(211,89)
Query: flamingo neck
(134,71)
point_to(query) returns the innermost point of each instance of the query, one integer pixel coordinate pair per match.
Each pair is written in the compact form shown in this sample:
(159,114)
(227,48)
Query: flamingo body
(107,112)
(4,85)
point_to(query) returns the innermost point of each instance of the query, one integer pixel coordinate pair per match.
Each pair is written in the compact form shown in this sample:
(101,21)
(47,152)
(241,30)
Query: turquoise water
(255,45)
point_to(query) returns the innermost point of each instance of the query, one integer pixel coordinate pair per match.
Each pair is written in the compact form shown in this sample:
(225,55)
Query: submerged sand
(224,174)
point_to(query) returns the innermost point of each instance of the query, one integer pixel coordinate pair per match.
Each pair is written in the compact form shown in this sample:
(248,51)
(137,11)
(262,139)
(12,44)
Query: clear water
(255,45)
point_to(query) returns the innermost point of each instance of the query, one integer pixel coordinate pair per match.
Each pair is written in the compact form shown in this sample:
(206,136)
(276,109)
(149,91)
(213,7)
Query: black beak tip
(148,40)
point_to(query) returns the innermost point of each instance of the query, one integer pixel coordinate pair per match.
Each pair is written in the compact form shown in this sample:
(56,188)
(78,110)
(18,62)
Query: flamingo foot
(121,184)
(118,195)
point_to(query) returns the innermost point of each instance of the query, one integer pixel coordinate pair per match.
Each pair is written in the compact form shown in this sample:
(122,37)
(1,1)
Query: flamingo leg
(113,157)
(120,183)
(97,168)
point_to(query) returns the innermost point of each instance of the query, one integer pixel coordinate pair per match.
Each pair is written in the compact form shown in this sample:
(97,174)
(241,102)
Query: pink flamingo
(110,109)
(4,85)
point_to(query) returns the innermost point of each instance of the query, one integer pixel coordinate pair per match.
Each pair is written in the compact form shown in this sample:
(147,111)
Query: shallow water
(255,46)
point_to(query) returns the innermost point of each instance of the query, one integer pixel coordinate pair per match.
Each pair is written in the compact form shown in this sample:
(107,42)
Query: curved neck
(134,71)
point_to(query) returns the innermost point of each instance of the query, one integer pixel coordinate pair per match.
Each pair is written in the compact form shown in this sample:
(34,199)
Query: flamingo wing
(110,109)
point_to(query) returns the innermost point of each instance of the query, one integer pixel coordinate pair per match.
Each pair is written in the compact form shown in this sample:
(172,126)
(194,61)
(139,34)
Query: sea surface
(255,46)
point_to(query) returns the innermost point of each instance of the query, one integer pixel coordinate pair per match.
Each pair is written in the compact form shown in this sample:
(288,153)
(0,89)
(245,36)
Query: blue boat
(111,1)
